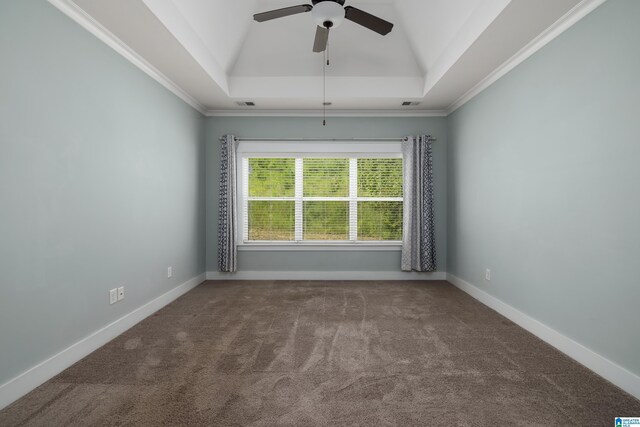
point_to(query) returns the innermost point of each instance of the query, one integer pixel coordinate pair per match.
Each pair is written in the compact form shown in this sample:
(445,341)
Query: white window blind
(299,199)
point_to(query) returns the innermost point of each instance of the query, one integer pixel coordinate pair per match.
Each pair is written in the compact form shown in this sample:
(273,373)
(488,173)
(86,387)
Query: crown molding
(578,12)
(330,113)
(73,11)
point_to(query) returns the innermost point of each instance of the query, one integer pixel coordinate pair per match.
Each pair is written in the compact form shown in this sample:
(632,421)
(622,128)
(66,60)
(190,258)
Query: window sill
(320,247)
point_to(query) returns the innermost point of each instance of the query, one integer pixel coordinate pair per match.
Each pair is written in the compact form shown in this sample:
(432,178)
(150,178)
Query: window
(321,198)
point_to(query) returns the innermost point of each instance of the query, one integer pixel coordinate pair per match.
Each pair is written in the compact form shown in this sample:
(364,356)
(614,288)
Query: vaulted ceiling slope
(213,54)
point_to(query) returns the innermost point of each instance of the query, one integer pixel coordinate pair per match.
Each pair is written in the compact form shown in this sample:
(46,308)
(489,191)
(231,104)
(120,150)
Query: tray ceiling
(214,51)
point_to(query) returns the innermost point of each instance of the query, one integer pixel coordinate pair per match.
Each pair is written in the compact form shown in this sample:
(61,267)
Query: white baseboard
(626,380)
(326,275)
(13,389)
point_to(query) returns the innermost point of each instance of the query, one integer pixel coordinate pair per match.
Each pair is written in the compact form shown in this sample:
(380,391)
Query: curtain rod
(326,139)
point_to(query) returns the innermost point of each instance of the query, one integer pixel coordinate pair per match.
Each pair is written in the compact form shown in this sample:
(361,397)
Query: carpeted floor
(324,354)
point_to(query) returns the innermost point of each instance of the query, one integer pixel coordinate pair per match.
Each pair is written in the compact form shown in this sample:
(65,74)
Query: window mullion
(299,189)
(353,202)
(245,199)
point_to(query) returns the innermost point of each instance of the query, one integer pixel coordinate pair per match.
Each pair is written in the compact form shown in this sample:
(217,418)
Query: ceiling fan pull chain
(324,89)
(328,53)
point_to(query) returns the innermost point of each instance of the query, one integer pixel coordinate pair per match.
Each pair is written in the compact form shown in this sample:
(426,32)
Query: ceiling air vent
(247,104)
(409,103)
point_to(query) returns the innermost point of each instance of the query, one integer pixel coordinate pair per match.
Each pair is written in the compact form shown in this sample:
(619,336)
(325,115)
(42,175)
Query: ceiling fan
(329,14)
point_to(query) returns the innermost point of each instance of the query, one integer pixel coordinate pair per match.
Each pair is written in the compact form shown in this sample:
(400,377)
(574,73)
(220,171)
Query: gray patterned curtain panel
(418,233)
(227,250)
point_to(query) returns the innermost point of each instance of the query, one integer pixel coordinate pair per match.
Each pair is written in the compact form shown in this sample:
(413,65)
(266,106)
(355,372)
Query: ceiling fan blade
(322,38)
(367,20)
(281,13)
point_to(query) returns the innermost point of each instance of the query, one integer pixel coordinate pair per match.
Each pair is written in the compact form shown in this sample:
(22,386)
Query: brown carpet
(324,354)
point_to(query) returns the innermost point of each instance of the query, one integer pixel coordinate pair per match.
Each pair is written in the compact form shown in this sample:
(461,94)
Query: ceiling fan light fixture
(328,14)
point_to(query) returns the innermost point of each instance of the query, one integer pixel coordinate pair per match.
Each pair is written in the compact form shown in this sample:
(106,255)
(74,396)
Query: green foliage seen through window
(377,220)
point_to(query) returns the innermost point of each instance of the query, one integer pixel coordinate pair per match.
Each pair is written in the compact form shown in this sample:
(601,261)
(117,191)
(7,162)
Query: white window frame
(298,151)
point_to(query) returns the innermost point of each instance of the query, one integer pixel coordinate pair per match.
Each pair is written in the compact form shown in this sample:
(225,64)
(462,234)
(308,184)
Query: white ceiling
(214,51)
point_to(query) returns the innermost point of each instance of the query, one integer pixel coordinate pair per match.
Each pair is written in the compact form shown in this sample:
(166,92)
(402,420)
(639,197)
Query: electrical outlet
(169,272)
(120,293)
(487,275)
(113,296)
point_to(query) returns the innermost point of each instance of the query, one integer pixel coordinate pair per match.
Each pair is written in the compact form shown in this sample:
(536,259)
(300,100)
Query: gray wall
(543,185)
(101,185)
(292,127)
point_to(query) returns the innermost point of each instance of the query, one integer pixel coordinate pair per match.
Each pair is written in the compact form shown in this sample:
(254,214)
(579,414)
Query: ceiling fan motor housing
(328,13)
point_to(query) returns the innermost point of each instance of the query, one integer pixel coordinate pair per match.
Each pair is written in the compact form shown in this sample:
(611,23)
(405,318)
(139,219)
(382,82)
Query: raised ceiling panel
(434,24)
(221,24)
(283,47)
